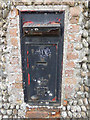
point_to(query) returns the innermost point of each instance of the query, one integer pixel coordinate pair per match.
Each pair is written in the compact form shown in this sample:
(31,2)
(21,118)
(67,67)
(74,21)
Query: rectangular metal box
(42,36)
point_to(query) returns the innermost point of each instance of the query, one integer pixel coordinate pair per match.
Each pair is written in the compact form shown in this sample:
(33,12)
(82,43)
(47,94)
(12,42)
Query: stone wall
(76,61)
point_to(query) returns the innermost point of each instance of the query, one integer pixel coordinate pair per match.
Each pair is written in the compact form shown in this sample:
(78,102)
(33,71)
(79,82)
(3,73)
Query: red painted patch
(59,20)
(27,22)
(28,79)
(27,52)
(54,99)
(27,63)
(56,47)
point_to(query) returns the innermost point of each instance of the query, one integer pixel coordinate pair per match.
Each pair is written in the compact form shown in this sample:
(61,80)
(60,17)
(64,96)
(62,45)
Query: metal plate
(41,71)
(42,56)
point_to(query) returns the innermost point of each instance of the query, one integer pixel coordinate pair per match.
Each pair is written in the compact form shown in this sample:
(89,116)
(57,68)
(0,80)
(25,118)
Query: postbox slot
(41,63)
(42,31)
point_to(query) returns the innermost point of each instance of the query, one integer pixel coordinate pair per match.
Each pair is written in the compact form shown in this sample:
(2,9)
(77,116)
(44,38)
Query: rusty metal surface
(42,48)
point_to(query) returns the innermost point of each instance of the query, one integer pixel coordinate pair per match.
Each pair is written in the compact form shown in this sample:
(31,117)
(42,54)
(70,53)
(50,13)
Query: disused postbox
(42,55)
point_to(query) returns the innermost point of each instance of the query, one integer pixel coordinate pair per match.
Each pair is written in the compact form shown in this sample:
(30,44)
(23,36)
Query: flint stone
(73,108)
(78,115)
(86,25)
(1,24)
(21,113)
(82,88)
(89,58)
(86,89)
(86,95)
(84,66)
(0,98)
(3,87)
(70,102)
(5,13)
(88,66)
(85,43)
(17,107)
(68,107)
(0,117)
(12,106)
(1,104)
(75,102)
(70,114)
(78,46)
(3,111)
(6,105)
(23,106)
(4,99)
(9,112)
(5,116)
(78,108)
(15,112)
(83,114)
(74,114)
(85,14)
(63,108)
(83,108)
(84,59)
(85,33)
(64,114)
(80,102)
(89,40)
(86,4)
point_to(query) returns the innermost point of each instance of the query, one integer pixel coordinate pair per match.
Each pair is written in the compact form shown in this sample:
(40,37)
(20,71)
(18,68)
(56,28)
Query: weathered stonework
(75,99)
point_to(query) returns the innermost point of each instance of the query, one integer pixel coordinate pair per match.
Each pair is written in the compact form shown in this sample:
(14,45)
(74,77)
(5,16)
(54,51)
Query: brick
(13,32)
(36,114)
(74,38)
(69,73)
(14,13)
(14,42)
(18,78)
(70,47)
(75,11)
(38,1)
(72,55)
(74,20)
(70,64)
(18,85)
(14,60)
(51,2)
(70,81)
(74,28)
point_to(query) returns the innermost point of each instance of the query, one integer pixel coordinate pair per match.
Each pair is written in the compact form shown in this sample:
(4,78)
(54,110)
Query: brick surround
(76,57)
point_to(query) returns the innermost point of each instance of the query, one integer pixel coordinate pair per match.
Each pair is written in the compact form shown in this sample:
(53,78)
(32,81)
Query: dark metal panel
(42,55)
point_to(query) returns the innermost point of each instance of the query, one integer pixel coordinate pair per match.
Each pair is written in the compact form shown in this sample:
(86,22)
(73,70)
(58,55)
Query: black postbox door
(41,64)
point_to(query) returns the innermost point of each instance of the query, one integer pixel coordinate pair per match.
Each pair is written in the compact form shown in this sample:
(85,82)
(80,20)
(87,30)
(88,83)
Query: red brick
(70,81)
(36,114)
(69,73)
(14,42)
(73,37)
(18,85)
(70,47)
(75,11)
(74,28)
(72,55)
(14,60)
(14,12)
(70,64)
(51,2)
(13,32)
(19,78)
(74,20)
